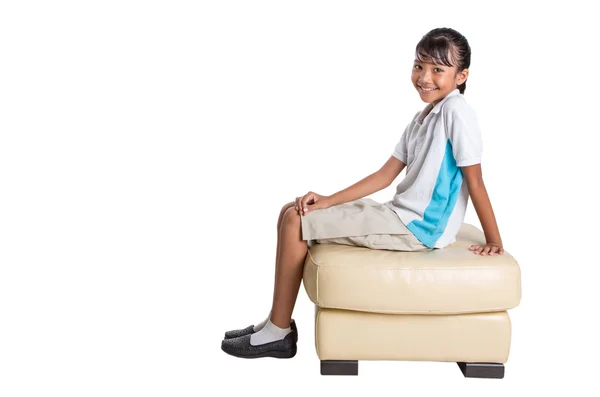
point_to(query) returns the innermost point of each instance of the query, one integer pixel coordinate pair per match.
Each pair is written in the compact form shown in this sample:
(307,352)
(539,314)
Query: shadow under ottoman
(442,305)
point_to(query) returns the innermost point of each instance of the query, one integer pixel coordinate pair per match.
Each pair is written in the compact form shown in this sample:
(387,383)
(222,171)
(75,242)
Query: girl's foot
(269,333)
(253,329)
(243,348)
(248,330)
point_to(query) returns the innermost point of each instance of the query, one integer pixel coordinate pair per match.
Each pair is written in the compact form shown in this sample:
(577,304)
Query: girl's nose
(425,76)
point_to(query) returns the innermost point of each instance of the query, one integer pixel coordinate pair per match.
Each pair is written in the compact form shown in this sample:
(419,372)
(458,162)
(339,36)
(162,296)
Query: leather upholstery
(452,280)
(351,335)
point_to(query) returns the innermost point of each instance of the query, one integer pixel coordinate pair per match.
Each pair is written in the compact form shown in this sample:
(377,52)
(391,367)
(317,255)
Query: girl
(441,148)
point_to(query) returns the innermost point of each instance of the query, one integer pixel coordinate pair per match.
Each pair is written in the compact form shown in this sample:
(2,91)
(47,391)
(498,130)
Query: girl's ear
(462,76)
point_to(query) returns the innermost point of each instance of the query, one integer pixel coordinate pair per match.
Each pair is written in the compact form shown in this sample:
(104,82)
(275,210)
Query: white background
(147,148)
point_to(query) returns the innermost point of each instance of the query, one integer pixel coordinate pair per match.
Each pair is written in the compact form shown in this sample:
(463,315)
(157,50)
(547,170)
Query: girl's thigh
(355,218)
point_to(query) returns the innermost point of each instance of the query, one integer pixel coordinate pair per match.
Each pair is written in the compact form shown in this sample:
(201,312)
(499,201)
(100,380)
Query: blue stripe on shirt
(445,193)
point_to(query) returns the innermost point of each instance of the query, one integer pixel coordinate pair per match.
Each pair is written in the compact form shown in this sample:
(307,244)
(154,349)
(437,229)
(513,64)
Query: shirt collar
(424,113)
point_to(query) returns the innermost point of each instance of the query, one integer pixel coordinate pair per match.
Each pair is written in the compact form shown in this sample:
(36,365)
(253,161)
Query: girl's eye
(435,69)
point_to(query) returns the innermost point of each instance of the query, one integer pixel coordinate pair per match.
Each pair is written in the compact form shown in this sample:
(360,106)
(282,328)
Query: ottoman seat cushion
(452,280)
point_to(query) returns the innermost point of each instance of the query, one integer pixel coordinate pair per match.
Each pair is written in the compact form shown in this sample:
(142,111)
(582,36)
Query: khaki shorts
(363,223)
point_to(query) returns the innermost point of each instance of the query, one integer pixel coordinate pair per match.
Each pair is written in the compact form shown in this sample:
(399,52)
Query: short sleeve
(400,151)
(463,131)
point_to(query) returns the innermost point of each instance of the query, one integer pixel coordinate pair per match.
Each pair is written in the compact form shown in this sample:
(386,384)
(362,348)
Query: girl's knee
(291,217)
(283,211)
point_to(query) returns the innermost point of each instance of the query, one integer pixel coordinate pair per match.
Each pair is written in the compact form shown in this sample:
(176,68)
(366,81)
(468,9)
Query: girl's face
(441,79)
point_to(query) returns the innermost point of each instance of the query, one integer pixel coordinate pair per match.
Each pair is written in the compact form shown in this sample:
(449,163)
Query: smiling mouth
(427,90)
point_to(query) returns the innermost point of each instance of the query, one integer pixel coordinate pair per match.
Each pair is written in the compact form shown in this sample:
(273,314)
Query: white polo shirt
(432,199)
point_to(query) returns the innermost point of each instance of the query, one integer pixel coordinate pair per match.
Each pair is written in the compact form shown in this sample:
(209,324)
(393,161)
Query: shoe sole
(274,354)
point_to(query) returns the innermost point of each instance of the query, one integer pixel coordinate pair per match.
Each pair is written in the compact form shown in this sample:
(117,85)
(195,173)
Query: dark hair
(440,42)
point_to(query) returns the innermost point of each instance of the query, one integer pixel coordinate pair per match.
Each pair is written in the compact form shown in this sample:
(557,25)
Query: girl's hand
(311,201)
(488,248)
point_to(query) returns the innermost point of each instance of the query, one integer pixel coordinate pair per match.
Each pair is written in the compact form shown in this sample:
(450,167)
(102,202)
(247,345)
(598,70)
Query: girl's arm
(482,205)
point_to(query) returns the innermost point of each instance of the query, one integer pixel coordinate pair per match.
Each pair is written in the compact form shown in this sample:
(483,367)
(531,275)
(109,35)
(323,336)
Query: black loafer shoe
(239,332)
(250,330)
(241,347)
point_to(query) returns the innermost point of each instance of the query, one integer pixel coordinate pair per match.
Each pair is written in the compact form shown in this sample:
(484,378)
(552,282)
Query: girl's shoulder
(457,104)
(455,101)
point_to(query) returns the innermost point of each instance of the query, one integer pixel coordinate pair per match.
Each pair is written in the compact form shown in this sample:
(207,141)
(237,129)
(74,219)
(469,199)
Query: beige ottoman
(441,305)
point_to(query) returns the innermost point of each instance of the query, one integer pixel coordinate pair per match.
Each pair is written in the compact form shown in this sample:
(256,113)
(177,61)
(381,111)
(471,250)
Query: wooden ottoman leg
(339,367)
(482,370)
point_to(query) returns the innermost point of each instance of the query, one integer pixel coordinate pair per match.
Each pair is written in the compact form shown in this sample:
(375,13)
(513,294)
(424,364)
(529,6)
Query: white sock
(269,333)
(260,325)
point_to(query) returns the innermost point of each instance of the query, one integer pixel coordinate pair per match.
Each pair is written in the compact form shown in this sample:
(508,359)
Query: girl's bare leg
(279,222)
(289,266)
